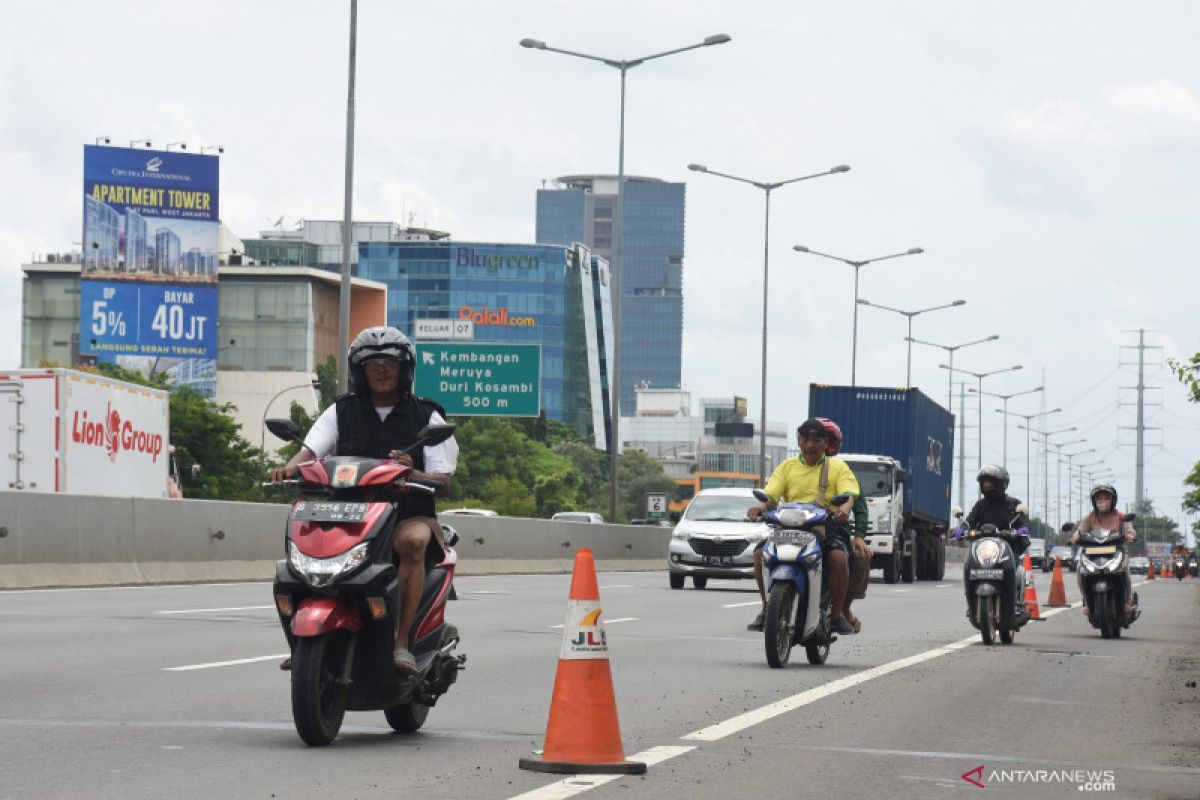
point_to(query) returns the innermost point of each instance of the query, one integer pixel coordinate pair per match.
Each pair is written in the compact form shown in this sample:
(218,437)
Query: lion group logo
(154,164)
(112,433)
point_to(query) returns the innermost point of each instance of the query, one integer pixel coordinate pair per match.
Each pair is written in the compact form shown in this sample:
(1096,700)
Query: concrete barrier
(51,540)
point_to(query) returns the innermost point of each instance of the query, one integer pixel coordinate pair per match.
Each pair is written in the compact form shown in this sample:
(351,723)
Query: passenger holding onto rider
(815,477)
(1105,516)
(997,508)
(379,418)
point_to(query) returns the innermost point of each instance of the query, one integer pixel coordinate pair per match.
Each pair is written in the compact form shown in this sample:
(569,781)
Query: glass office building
(580,208)
(552,296)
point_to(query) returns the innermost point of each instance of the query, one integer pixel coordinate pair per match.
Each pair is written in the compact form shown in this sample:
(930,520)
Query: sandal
(856,622)
(403,660)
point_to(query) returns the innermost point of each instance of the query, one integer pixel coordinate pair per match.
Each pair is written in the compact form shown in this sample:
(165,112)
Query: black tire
(920,559)
(1106,611)
(699,581)
(407,717)
(318,697)
(676,579)
(891,570)
(908,566)
(780,623)
(939,571)
(1007,635)
(987,631)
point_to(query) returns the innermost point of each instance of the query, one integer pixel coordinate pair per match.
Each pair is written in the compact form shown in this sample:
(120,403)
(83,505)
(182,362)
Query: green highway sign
(481,379)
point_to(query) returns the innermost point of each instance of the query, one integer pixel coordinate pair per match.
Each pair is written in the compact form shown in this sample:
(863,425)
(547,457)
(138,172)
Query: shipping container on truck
(900,444)
(76,433)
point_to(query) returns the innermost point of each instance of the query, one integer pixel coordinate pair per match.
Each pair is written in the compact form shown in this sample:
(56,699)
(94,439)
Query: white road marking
(485,591)
(118,588)
(945,585)
(742,605)
(739,723)
(212,610)
(872,751)
(900,591)
(1049,701)
(212,664)
(619,586)
(577,784)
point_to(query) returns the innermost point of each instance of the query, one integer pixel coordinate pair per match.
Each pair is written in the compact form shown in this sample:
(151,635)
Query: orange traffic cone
(1150,572)
(1031,603)
(582,735)
(1058,592)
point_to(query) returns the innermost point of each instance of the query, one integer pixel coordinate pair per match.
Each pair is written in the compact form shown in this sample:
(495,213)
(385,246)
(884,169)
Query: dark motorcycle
(1180,567)
(1193,567)
(799,605)
(1103,574)
(337,593)
(994,581)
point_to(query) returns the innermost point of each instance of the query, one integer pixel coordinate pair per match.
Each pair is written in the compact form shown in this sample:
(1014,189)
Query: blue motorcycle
(799,606)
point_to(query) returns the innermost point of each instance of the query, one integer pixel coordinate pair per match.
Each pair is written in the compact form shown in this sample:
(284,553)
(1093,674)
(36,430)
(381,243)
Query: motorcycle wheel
(1007,635)
(1106,611)
(778,630)
(318,695)
(407,717)
(987,631)
(819,651)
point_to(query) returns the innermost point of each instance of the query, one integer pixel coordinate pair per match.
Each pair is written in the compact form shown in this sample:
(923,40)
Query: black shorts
(836,538)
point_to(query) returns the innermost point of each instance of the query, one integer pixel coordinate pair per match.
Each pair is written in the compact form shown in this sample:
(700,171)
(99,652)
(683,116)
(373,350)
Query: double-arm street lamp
(909,339)
(1045,435)
(1070,457)
(614,372)
(912,251)
(767,189)
(312,384)
(1027,418)
(1005,398)
(951,349)
(980,376)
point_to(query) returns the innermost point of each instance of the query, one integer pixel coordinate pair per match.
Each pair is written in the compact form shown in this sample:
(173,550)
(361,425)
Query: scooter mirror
(839,500)
(1130,517)
(761,496)
(432,435)
(1069,526)
(285,429)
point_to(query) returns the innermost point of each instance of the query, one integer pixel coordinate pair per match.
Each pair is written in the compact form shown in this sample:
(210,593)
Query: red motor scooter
(337,593)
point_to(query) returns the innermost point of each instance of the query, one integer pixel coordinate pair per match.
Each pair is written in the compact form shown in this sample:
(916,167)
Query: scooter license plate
(790,536)
(987,574)
(718,561)
(331,512)
(1100,551)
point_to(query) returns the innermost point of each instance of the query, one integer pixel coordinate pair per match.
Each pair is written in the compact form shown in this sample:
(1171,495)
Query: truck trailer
(77,433)
(900,445)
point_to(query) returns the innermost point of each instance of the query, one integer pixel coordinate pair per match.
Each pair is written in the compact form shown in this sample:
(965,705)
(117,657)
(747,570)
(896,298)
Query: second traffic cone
(582,735)
(1058,592)
(1031,603)
(1150,571)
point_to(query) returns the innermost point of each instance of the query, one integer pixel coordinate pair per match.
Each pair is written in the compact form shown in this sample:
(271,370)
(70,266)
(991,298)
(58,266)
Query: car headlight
(987,552)
(321,571)
(884,524)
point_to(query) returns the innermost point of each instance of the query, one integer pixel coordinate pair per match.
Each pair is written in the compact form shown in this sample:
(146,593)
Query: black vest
(362,433)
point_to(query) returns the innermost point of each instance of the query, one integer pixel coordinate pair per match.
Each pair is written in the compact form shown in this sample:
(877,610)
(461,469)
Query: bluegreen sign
(480,379)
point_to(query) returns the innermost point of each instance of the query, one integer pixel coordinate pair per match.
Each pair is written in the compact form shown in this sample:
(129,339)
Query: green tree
(1188,373)
(326,394)
(638,476)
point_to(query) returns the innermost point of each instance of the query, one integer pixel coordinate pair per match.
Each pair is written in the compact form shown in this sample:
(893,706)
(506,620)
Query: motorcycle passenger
(1105,515)
(378,418)
(860,551)
(815,477)
(996,507)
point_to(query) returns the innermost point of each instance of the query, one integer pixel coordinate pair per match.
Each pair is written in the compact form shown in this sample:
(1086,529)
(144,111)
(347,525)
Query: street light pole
(1070,485)
(951,349)
(912,251)
(767,189)
(1027,418)
(614,371)
(262,445)
(347,213)
(980,376)
(1005,398)
(1046,463)
(909,339)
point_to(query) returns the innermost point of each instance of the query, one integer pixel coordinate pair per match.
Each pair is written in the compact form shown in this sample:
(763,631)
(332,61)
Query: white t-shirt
(322,439)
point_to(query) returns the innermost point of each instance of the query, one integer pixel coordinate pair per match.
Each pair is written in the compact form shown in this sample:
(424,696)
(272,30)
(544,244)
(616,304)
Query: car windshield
(718,508)
(873,479)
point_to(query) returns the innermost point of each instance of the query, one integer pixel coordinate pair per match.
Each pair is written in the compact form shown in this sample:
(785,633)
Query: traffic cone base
(582,734)
(1058,592)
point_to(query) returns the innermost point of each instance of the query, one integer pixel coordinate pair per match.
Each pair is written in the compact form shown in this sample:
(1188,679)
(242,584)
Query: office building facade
(582,208)
(556,297)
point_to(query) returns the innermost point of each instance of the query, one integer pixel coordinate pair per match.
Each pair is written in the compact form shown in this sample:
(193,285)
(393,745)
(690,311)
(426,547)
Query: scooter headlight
(1087,566)
(987,552)
(321,571)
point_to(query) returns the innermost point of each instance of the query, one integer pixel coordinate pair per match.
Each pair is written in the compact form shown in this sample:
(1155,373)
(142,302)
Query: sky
(1044,155)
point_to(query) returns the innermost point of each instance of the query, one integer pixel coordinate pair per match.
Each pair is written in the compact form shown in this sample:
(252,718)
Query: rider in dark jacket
(996,507)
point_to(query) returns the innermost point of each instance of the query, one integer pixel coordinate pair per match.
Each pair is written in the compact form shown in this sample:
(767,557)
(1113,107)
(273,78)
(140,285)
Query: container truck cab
(882,482)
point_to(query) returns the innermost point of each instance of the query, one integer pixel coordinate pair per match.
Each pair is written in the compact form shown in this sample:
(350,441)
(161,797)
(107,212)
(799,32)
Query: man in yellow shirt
(798,480)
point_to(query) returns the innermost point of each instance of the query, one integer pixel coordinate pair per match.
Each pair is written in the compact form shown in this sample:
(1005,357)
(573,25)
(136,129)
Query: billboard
(151,224)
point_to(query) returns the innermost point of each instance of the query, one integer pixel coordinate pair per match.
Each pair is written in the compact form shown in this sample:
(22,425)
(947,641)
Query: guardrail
(49,540)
